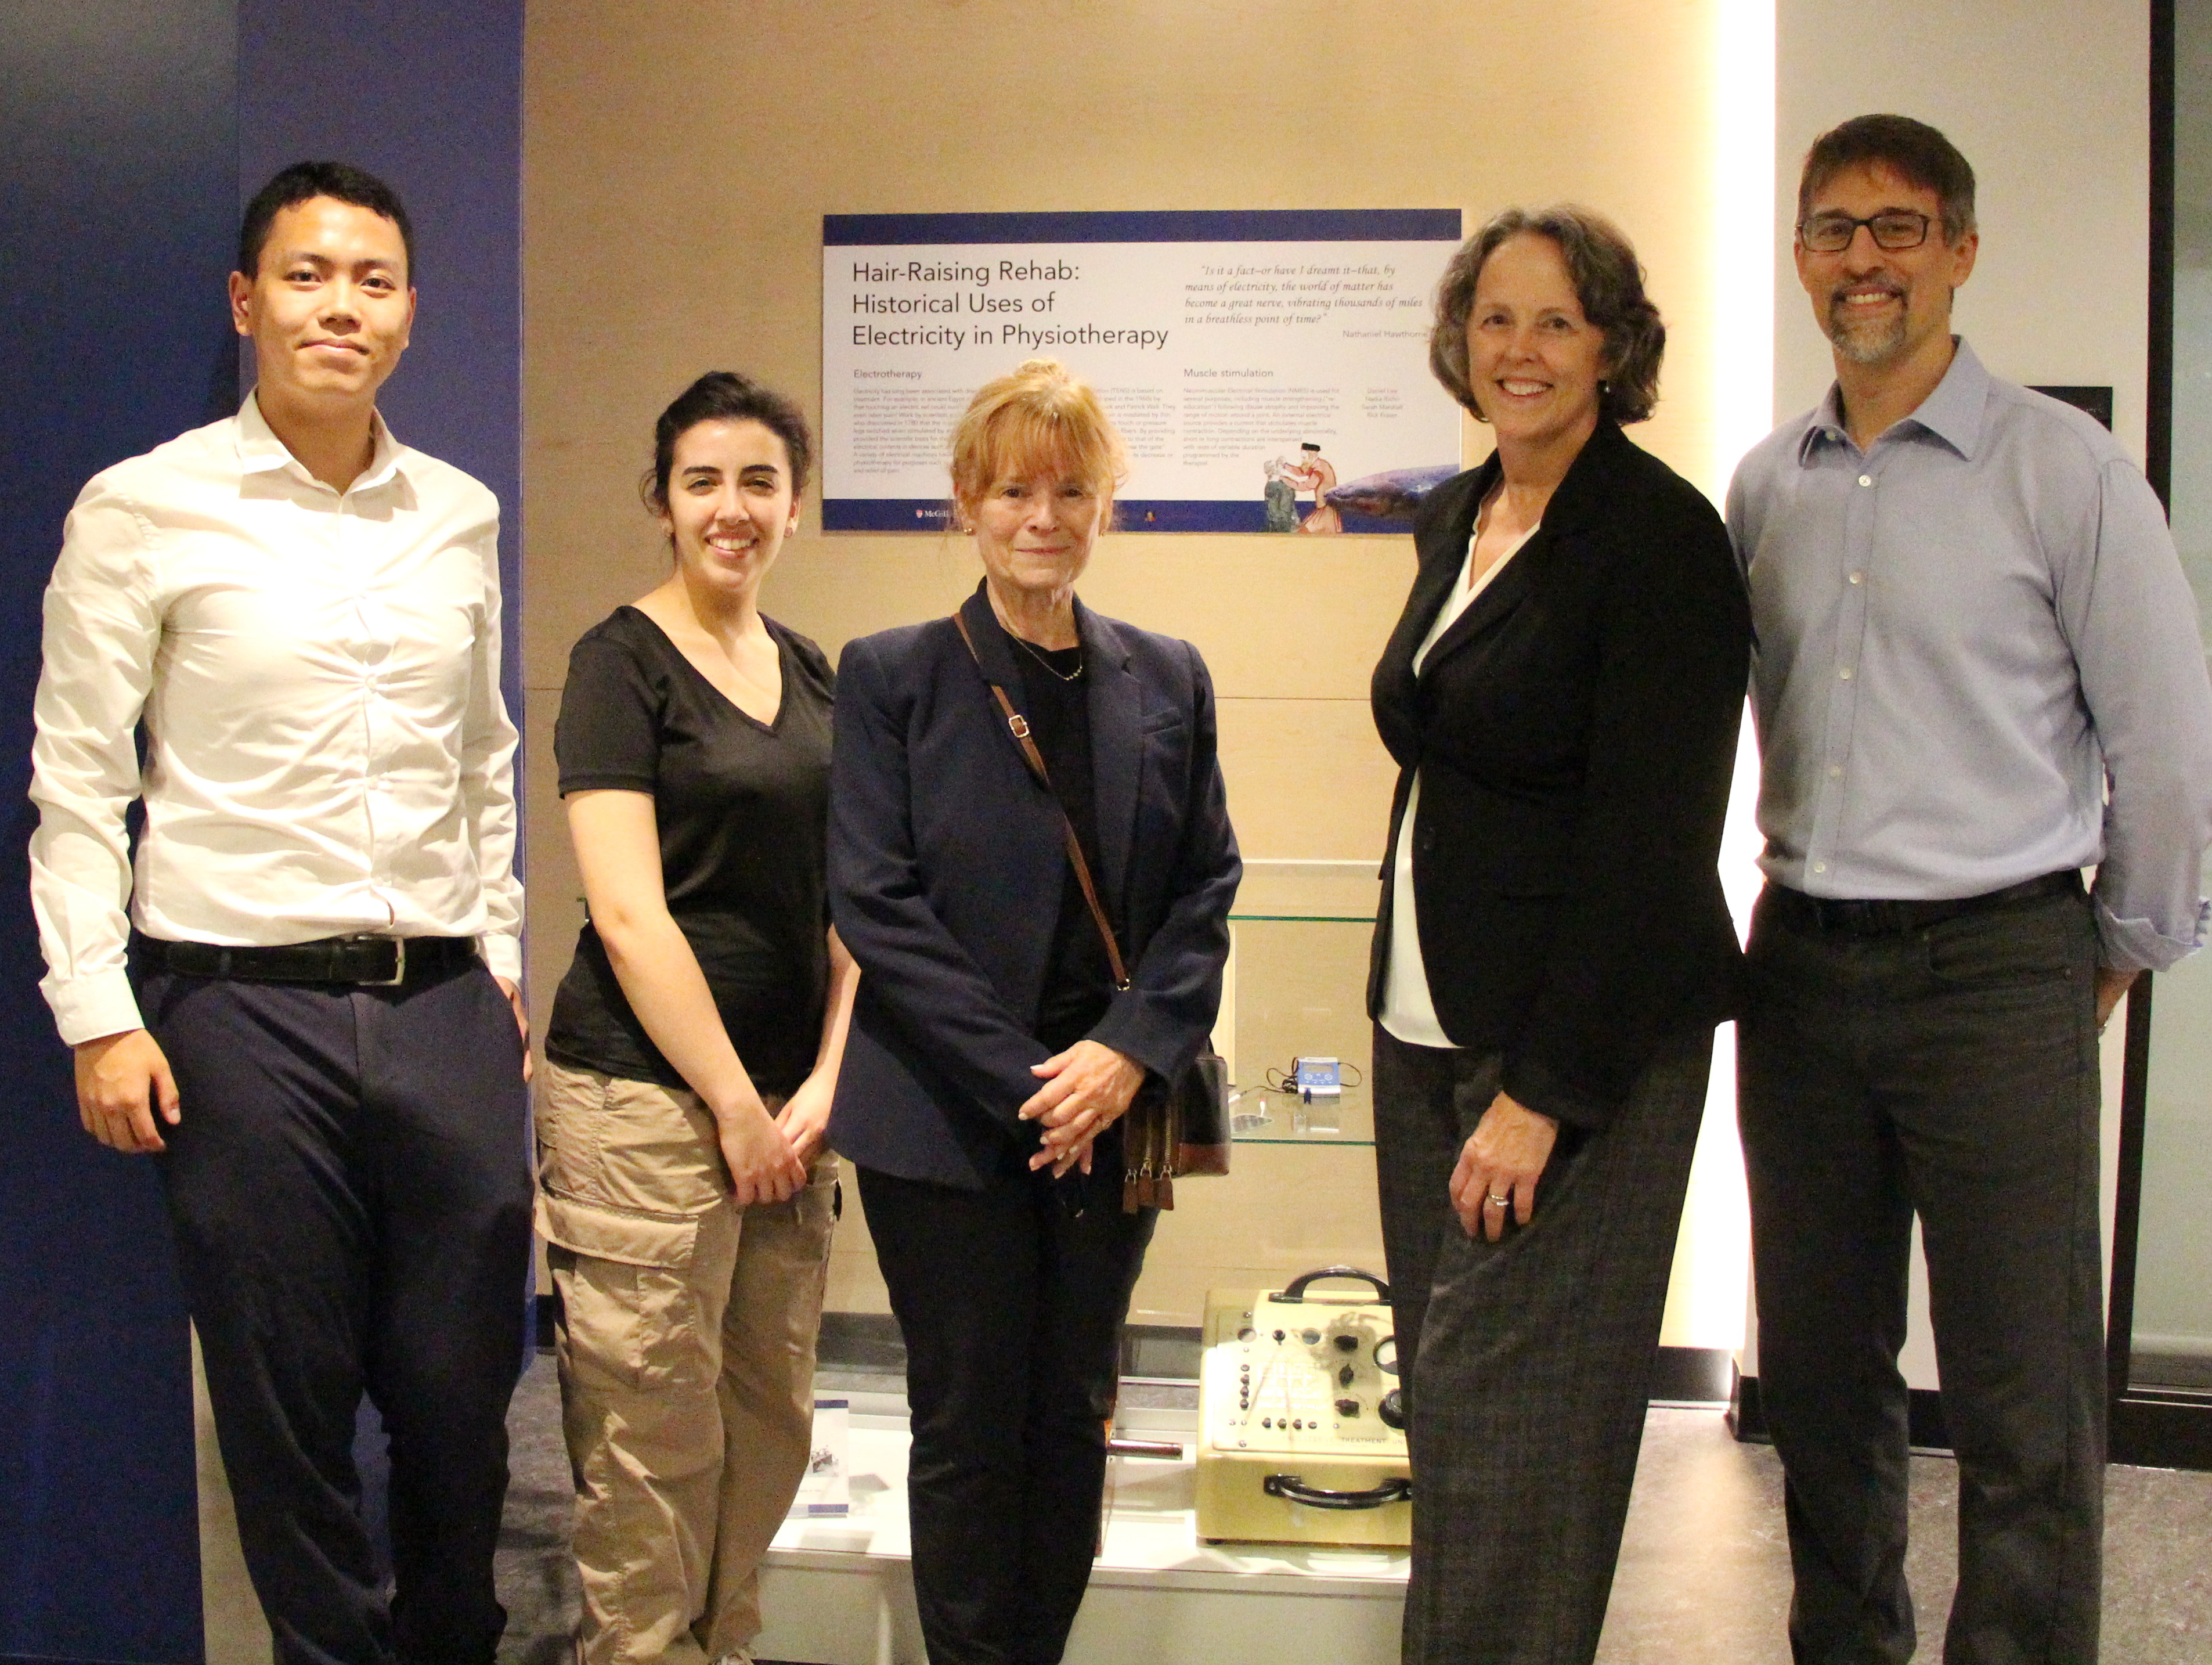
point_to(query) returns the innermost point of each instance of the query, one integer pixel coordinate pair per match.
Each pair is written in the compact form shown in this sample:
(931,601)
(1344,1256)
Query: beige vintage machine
(1301,1438)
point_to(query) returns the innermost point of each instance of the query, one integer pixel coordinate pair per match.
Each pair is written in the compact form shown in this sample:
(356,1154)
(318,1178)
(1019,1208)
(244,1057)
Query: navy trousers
(350,1188)
(1949,1072)
(1010,1306)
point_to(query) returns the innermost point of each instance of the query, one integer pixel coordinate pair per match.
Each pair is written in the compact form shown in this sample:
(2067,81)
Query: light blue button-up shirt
(1964,635)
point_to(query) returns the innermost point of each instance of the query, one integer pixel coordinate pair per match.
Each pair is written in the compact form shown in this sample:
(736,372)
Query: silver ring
(1501,1202)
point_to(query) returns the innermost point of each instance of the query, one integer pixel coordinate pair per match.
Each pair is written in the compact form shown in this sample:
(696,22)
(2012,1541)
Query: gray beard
(1866,341)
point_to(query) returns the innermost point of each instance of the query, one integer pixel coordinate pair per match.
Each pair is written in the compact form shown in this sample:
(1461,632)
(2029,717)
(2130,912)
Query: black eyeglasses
(1895,229)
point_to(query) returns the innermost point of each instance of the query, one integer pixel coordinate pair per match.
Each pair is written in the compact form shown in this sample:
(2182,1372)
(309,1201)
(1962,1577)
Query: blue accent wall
(130,136)
(118,212)
(428,95)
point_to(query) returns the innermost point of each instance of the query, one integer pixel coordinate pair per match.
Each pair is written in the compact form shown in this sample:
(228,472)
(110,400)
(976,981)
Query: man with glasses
(1976,673)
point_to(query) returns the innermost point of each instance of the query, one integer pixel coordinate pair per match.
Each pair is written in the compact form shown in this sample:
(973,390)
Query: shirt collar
(260,451)
(1953,413)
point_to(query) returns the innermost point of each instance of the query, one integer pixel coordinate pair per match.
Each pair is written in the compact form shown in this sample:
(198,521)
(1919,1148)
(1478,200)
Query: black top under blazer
(1575,732)
(945,867)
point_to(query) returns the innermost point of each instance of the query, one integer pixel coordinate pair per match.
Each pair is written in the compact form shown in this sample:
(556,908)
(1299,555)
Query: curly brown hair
(1608,282)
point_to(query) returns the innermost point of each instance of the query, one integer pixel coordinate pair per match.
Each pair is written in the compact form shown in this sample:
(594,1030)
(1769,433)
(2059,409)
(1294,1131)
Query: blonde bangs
(1038,422)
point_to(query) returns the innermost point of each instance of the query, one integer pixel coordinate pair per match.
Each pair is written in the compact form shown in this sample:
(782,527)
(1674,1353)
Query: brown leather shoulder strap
(1019,726)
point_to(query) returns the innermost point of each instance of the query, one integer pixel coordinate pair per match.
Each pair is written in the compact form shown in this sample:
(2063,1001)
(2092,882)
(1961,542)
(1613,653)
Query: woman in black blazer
(991,1055)
(1552,952)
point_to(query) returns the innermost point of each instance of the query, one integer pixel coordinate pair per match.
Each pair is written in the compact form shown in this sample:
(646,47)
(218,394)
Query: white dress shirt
(318,672)
(1409,1011)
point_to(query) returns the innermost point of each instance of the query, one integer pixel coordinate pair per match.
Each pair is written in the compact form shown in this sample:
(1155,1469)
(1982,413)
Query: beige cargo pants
(686,1353)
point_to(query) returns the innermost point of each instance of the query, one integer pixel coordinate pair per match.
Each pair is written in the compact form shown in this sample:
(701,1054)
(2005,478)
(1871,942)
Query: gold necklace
(1065,676)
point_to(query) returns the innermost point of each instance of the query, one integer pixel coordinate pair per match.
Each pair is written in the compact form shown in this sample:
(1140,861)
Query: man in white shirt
(309,1014)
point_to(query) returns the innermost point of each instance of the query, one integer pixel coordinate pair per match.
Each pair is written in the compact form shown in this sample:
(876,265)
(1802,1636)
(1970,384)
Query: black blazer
(945,868)
(1575,734)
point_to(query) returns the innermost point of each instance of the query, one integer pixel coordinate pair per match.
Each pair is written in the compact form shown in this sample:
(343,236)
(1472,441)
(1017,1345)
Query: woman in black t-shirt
(693,1053)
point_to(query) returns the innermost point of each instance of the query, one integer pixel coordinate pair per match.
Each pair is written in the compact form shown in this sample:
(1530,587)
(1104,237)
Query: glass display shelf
(1297,987)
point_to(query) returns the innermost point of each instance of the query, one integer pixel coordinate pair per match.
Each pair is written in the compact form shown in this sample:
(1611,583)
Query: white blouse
(1408,1012)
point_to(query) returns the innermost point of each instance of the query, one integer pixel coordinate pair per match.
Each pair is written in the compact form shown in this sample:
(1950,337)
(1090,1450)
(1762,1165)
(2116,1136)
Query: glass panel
(1301,992)
(2173,1337)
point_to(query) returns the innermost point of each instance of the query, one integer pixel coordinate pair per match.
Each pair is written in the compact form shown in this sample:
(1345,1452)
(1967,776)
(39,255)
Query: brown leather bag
(1179,1134)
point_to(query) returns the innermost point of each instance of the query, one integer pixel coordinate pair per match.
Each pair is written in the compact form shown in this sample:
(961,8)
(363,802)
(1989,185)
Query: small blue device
(1316,1077)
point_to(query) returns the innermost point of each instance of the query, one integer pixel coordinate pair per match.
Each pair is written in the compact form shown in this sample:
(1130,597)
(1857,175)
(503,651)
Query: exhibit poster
(1267,369)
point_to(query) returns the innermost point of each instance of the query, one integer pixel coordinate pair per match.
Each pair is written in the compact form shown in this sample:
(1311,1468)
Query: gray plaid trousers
(1527,1363)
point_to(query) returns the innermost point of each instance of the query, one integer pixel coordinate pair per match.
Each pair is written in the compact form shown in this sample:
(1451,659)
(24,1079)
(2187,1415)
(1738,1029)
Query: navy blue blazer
(945,869)
(1575,734)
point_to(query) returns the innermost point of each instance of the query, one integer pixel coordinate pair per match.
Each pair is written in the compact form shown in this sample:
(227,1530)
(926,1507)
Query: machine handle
(1296,1292)
(1397,1489)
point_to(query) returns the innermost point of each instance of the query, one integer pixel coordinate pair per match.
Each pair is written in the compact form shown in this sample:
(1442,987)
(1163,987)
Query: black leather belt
(369,961)
(1896,918)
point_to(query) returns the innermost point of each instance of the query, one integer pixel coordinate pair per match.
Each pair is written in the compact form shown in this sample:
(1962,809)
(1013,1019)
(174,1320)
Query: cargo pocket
(630,1296)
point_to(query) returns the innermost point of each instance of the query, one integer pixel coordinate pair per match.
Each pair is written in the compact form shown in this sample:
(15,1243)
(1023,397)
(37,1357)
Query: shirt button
(1865,479)
(1858,578)
(1835,771)
(1820,866)
(1845,673)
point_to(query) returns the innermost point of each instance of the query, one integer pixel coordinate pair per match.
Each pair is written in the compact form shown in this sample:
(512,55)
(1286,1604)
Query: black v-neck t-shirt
(743,812)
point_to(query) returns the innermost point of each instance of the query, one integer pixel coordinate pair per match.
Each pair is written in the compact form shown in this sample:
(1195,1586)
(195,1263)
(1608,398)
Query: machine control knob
(1347,1408)
(1278,1335)
(1311,1338)
(1392,1409)
(1347,1343)
(1344,1376)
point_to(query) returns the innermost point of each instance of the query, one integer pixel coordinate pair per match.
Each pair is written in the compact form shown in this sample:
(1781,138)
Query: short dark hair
(1608,282)
(1912,149)
(726,396)
(303,182)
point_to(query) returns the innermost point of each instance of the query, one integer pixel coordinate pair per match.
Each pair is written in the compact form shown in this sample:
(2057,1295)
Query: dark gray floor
(1705,1572)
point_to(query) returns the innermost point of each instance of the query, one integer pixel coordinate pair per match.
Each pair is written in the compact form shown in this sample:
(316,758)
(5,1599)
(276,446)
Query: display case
(1300,1192)
(1296,987)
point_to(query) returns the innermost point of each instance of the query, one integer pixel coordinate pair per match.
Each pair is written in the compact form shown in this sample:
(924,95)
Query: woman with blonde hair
(992,1052)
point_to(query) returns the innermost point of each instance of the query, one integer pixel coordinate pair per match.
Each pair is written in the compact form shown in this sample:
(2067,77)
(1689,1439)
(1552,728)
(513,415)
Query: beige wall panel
(1307,779)
(679,154)
(664,240)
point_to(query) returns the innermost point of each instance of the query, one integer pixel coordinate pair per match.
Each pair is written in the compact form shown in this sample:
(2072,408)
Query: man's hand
(521,1017)
(1085,1091)
(2110,986)
(120,1080)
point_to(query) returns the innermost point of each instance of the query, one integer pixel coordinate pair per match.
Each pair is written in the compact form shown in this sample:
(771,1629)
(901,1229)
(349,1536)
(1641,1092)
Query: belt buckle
(399,964)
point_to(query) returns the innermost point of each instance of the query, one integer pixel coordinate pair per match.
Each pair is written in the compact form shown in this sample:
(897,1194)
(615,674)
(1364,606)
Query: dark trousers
(1950,1071)
(1012,1307)
(351,1191)
(1526,1363)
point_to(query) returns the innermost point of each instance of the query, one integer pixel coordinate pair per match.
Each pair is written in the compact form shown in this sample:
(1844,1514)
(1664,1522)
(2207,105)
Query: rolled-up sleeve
(103,628)
(2129,615)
